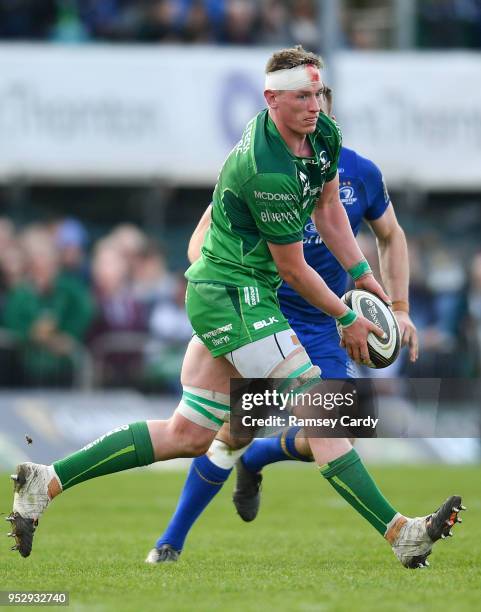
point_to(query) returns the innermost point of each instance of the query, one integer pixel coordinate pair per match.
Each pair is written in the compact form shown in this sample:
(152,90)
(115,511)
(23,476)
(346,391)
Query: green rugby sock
(350,478)
(123,448)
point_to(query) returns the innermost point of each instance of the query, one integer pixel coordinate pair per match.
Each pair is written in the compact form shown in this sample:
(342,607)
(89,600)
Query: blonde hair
(292,57)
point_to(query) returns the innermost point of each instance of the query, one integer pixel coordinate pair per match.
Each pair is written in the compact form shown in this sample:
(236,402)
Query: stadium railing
(14,373)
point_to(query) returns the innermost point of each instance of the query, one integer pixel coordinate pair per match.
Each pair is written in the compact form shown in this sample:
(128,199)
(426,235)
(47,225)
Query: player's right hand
(369,283)
(354,339)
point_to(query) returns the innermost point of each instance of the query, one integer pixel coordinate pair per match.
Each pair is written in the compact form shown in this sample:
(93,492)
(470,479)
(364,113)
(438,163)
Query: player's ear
(271,98)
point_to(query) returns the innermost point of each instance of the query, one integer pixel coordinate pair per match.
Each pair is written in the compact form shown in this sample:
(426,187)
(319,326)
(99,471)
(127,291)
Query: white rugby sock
(223,456)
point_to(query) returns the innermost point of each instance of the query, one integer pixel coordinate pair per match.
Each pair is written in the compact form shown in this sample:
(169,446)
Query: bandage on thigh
(209,409)
(279,355)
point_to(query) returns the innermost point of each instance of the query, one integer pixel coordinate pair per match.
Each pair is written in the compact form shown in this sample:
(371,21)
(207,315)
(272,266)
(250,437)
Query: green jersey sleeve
(332,134)
(275,203)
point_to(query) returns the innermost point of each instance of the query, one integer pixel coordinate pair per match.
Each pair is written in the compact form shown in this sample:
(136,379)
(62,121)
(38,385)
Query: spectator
(48,314)
(170,331)
(12,270)
(213,8)
(119,313)
(446,279)
(436,311)
(117,308)
(197,28)
(11,260)
(71,240)
(303,24)
(169,322)
(152,284)
(112,20)
(7,234)
(160,22)
(130,242)
(273,24)
(240,25)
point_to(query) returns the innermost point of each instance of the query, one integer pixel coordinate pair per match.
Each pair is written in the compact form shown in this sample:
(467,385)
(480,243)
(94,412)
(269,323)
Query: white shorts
(279,355)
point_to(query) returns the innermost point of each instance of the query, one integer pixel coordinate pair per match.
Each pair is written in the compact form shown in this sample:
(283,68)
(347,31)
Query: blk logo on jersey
(347,195)
(264,323)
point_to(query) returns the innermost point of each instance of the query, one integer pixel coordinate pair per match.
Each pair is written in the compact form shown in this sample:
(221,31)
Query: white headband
(293,78)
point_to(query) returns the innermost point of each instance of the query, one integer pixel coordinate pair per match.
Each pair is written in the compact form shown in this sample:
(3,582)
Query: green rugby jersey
(264,193)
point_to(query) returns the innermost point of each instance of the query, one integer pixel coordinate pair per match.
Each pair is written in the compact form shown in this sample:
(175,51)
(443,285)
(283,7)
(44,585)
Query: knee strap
(209,409)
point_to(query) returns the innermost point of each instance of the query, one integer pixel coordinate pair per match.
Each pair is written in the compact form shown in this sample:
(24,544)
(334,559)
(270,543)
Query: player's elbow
(289,275)
(192,254)
(395,235)
(194,249)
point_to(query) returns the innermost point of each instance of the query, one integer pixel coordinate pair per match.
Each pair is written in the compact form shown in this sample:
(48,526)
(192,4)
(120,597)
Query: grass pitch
(307,551)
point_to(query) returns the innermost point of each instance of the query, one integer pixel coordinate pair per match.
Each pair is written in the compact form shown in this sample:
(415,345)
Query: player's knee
(197,448)
(193,447)
(202,413)
(298,360)
(190,440)
(232,442)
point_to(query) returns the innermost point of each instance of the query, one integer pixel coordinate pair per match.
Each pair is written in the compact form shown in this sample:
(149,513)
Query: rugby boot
(164,554)
(412,539)
(247,493)
(30,499)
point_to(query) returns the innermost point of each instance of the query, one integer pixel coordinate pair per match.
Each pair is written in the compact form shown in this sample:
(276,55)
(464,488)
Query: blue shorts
(322,345)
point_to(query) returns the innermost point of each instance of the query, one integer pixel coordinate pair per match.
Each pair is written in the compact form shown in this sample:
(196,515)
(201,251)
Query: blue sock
(271,450)
(203,483)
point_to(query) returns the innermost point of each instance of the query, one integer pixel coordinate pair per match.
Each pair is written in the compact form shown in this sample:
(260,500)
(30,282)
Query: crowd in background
(115,304)
(112,307)
(445,305)
(66,302)
(366,24)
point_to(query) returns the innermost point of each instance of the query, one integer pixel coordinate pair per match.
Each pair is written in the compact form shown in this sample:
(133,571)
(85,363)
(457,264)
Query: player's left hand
(409,333)
(369,283)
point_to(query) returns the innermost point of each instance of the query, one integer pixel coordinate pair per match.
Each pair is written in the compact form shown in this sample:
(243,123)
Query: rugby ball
(381,352)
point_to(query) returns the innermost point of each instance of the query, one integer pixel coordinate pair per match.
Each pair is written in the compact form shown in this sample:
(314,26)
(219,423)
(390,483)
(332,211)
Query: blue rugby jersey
(364,195)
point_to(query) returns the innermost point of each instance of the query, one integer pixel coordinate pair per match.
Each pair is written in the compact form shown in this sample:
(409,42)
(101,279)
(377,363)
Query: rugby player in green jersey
(283,170)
